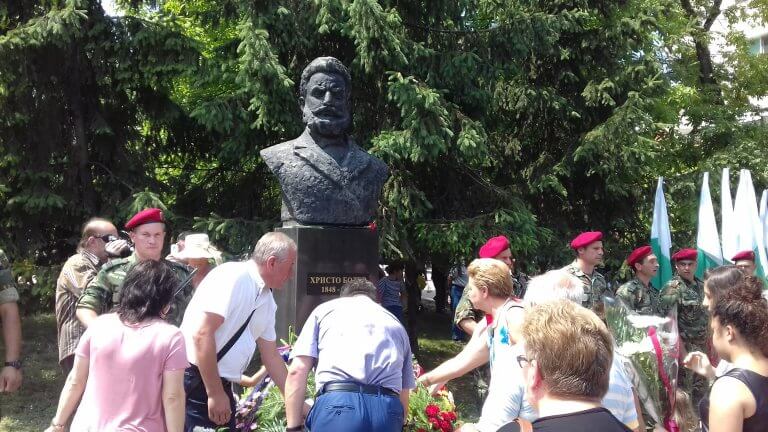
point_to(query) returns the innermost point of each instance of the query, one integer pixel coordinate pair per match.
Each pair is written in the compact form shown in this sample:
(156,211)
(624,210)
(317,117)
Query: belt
(356,388)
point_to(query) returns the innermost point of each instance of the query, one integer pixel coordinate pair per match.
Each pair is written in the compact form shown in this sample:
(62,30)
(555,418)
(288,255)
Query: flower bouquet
(649,346)
(427,412)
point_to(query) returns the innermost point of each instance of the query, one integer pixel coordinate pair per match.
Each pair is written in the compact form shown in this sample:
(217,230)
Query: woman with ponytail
(738,400)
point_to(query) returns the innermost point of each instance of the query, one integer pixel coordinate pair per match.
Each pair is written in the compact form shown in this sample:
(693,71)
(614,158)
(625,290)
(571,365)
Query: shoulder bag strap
(525,425)
(225,349)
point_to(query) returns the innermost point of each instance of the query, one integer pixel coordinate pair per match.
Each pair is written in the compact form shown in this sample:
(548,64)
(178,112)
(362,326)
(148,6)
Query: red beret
(150,215)
(585,239)
(744,255)
(638,255)
(493,247)
(685,255)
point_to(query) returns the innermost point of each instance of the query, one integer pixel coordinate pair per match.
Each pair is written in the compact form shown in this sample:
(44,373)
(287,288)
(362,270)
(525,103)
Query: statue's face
(326,108)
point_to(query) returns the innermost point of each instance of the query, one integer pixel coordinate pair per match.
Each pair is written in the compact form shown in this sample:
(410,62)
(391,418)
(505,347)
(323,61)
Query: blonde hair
(554,285)
(572,348)
(491,275)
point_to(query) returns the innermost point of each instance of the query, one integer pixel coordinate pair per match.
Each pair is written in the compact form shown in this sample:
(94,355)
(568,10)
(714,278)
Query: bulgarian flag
(707,238)
(749,228)
(661,240)
(727,222)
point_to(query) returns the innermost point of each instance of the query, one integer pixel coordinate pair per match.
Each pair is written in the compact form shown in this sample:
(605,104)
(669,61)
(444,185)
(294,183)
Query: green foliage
(536,119)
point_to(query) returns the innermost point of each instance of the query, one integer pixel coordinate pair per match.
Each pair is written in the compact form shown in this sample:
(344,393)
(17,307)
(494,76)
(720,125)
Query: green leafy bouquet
(649,346)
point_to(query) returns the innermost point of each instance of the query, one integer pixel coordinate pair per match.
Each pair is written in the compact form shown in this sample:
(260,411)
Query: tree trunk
(414,299)
(440,268)
(80,169)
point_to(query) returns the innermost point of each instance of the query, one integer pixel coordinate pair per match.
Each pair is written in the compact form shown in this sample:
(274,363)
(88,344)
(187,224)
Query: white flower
(627,349)
(645,321)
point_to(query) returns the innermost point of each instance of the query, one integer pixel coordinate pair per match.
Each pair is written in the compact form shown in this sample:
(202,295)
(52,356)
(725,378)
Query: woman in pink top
(129,365)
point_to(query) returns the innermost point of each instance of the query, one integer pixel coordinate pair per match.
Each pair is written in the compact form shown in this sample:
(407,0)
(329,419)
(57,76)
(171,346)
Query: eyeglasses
(522,361)
(106,238)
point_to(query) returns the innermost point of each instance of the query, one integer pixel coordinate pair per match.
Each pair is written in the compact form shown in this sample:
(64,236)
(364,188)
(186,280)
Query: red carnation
(432,410)
(435,423)
(445,426)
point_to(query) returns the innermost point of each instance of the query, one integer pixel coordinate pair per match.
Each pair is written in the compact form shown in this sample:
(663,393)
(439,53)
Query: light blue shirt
(619,399)
(390,291)
(355,339)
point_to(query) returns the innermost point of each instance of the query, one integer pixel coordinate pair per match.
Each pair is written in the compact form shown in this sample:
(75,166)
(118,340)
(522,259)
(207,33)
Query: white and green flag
(707,238)
(727,224)
(661,239)
(749,228)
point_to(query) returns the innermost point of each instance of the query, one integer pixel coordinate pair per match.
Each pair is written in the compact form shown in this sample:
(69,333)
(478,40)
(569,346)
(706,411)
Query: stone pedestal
(327,258)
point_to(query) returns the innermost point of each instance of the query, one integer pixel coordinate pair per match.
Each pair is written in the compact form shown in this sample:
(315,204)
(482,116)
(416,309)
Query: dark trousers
(197,402)
(456,291)
(396,310)
(342,411)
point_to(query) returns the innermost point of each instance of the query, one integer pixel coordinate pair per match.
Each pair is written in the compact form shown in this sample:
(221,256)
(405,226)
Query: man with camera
(98,242)
(147,232)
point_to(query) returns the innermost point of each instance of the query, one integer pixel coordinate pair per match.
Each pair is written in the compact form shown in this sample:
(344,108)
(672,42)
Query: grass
(32,408)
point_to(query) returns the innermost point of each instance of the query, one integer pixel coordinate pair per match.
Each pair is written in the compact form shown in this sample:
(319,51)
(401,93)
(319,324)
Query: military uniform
(638,297)
(594,286)
(103,292)
(692,323)
(8,292)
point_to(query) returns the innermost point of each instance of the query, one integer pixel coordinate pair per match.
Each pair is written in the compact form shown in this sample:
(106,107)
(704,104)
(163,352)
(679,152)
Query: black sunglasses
(522,361)
(106,238)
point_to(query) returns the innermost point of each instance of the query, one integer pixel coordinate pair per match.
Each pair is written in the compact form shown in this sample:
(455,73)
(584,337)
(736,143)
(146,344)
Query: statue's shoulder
(276,155)
(375,164)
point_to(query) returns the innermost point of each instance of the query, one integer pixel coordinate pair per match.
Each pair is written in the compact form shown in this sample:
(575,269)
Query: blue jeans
(456,332)
(341,411)
(396,310)
(197,402)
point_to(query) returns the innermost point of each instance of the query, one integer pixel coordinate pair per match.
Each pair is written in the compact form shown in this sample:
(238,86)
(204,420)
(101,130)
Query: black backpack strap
(225,349)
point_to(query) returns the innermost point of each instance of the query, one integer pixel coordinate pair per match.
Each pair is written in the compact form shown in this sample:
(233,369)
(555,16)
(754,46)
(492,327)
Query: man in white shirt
(231,313)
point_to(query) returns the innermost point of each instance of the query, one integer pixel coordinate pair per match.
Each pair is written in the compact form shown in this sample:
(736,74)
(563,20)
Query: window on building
(759,45)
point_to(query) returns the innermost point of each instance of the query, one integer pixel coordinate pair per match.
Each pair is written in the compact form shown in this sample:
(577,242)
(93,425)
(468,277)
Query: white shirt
(232,290)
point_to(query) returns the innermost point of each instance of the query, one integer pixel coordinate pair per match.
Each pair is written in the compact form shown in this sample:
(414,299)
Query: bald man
(98,240)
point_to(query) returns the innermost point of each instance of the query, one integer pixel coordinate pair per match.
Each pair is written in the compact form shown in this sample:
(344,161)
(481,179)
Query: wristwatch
(14,364)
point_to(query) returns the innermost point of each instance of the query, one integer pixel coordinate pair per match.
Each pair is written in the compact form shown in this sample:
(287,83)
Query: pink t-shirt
(125,376)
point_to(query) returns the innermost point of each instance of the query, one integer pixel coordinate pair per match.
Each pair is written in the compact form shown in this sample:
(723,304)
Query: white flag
(748,227)
(661,240)
(727,227)
(707,239)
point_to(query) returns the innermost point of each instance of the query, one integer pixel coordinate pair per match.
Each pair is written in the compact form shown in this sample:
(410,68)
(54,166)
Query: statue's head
(324,95)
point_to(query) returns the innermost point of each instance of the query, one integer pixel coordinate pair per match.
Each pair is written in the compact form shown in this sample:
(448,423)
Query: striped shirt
(75,275)
(619,399)
(389,292)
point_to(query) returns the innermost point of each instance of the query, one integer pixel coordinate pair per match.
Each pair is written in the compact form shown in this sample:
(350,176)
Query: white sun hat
(198,246)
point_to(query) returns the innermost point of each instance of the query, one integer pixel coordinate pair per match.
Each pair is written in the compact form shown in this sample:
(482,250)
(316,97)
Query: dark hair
(395,267)
(744,308)
(326,65)
(720,280)
(148,288)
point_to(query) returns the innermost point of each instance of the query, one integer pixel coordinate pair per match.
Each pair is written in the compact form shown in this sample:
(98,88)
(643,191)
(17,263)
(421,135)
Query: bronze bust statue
(326,179)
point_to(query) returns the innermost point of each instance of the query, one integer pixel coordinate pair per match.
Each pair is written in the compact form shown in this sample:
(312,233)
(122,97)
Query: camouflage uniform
(594,287)
(519,284)
(692,323)
(465,310)
(8,292)
(638,297)
(103,292)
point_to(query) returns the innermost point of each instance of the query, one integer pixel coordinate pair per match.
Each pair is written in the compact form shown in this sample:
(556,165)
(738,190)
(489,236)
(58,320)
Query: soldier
(638,293)
(589,254)
(686,292)
(147,231)
(10,375)
(745,261)
(497,248)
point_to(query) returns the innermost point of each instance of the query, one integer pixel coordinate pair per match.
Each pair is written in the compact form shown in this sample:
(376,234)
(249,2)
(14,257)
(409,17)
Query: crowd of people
(155,342)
